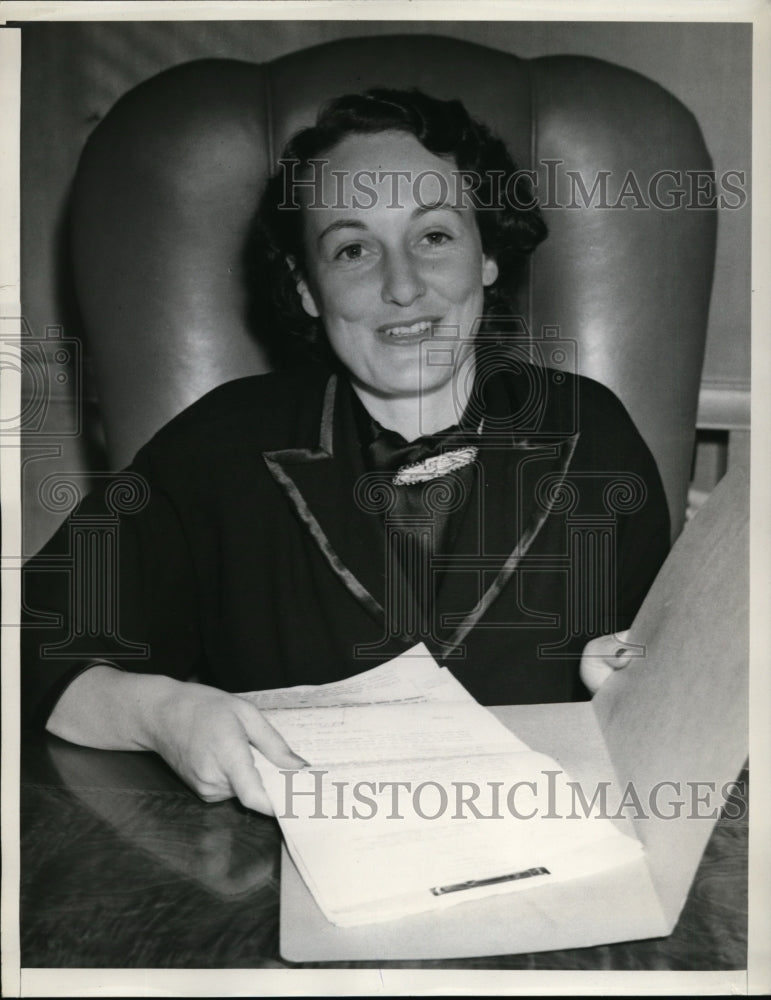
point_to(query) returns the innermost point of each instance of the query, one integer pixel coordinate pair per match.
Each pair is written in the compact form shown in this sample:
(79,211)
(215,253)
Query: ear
(303,290)
(489,271)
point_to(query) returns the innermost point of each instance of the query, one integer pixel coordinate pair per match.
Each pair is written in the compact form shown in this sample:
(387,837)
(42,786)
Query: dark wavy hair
(510,229)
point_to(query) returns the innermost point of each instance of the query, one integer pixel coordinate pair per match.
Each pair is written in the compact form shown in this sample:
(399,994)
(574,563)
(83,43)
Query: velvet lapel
(320,483)
(518,480)
(504,515)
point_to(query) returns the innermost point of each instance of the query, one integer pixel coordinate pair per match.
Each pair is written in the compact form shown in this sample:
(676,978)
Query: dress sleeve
(618,481)
(641,512)
(116,584)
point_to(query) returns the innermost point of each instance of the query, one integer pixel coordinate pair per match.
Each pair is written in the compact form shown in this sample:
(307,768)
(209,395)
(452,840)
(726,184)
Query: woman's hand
(602,657)
(203,733)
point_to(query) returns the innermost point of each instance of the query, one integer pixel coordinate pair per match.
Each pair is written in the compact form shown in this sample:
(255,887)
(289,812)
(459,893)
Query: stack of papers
(417,798)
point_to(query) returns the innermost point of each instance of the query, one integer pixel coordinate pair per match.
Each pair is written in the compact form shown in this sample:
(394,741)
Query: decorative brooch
(437,465)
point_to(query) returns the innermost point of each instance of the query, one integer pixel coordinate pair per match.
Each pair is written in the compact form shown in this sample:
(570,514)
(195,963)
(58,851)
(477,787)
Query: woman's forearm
(203,733)
(111,709)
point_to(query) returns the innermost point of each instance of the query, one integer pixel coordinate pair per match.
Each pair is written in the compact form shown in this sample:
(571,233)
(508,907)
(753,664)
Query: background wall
(73,73)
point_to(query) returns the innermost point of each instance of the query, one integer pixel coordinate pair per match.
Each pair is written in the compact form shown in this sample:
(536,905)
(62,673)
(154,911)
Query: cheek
(466,290)
(460,278)
(346,297)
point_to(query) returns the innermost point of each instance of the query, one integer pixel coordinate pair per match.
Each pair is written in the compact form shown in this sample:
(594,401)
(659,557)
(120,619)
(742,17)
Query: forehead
(387,170)
(391,150)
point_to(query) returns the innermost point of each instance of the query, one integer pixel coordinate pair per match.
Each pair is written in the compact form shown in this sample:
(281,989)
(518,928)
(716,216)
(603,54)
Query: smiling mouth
(422,326)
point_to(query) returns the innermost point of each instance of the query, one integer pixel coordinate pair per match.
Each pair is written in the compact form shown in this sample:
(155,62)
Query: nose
(402,281)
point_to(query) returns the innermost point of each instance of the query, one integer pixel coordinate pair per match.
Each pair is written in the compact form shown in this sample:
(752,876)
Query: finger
(594,672)
(611,649)
(249,789)
(620,659)
(268,740)
(601,646)
(214,796)
(622,654)
(210,790)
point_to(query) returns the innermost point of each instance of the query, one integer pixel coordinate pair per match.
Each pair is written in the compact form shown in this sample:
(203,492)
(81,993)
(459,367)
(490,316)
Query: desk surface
(123,866)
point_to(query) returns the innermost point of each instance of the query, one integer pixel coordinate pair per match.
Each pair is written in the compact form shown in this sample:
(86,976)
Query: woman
(421,482)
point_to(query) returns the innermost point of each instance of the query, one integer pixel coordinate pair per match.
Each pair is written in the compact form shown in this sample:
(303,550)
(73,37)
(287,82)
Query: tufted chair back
(169,180)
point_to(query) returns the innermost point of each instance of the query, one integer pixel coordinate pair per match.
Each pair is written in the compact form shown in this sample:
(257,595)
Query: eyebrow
(423,209)
(339,224)
(333,227)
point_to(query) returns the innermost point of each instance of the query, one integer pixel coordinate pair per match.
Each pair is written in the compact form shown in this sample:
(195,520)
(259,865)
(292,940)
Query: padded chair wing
(168,182)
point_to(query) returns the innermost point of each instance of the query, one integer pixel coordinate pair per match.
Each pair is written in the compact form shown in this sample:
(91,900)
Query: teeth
(424,326)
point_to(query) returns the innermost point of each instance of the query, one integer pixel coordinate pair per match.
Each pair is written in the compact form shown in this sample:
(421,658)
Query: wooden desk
(123,867)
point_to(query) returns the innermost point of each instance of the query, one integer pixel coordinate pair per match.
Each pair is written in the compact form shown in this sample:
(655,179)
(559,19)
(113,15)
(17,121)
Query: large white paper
(414,676)
(412,803)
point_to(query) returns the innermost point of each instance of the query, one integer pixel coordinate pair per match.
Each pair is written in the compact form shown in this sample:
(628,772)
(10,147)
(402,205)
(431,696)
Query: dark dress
(245,547)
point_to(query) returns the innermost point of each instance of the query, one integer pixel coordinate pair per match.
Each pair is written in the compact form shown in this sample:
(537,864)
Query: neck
(421,413)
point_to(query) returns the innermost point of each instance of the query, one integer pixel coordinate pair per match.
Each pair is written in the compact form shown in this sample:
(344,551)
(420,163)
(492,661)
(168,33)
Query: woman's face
(391,267)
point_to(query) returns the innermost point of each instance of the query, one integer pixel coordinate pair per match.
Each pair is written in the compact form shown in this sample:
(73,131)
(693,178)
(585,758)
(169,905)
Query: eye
(437,238)
(352,251)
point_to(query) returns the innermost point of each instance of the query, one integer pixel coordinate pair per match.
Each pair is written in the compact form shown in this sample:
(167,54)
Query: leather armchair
(168,182)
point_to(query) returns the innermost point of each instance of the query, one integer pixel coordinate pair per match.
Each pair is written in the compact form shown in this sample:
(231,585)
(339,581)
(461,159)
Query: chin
(397,390)
(415,388)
